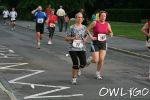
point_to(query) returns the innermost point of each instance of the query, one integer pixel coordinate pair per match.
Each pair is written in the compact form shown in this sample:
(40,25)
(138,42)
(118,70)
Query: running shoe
(98,75)
(74,81)
(38,45)
(49,42)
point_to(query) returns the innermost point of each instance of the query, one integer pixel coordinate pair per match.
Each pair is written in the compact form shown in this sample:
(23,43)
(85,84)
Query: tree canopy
(72,6)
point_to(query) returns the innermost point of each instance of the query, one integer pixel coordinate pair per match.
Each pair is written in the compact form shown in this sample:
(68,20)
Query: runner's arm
(110,30)
(33,11)
(69,38)
(91,26)
(144,30)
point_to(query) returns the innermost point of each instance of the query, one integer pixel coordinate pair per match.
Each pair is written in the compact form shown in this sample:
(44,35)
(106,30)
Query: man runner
(41,17)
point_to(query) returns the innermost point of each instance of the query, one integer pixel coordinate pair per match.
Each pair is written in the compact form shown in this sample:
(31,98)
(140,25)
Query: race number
(52,25)
(77,43)
(101,37)
(40,20)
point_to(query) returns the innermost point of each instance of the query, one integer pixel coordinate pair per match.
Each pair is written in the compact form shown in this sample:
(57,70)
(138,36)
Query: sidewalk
(121,44)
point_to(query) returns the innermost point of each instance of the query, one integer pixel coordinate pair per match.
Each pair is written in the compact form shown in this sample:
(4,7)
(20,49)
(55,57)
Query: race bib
(40,20)
(13,18)
(77,43)
(52,25)
(101,37)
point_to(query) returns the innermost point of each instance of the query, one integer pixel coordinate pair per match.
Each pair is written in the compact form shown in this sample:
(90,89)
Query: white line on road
(8,66)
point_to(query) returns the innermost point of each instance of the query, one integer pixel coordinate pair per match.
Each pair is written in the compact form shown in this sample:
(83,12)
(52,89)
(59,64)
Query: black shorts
(5,18)
(78,59)
(40,28)
(13,20)
(97,46)
(51,29)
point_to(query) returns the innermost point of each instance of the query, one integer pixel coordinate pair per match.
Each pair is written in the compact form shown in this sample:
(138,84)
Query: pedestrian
(146,30)
(66,22)
(99,44)
(52,19)
(85,18)
(5,15)
(13,15)
(93,18)
(77,36)
(48,10)
(41,17)
(60,13)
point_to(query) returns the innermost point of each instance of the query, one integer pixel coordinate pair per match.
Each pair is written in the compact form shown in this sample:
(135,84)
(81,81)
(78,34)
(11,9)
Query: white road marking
(11,51)
(56,96)
(8,66)
(8,53)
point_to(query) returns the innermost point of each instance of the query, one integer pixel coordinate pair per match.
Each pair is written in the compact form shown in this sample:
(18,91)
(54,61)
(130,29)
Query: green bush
(24,14)
(128,15)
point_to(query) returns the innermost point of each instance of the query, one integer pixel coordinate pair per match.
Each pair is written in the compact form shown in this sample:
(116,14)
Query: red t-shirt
(52,19)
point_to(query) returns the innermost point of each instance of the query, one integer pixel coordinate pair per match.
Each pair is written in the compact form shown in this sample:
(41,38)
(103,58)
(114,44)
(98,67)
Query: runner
(77,37)
(99,47)
(5,15)
(48,10)
(52,19)
(13,15)
(146,30)
(41,17)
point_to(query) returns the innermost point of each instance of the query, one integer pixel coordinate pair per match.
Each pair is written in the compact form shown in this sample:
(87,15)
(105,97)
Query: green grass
(129,30)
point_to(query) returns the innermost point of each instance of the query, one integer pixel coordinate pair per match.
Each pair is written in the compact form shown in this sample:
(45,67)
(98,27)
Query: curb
(111,48)
(130,52)
(5,89)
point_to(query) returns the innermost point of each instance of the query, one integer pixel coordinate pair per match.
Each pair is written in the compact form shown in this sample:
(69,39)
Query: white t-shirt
(5,14)
(13,15)
(60,12)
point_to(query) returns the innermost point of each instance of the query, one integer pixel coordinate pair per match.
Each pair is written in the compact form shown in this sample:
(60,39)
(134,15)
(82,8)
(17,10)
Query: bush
(128,15)
(24,14)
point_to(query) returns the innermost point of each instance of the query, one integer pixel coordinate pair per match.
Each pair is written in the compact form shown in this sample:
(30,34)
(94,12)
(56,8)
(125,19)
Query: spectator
(60,13)
(85,19)
(48,10)
(66,22)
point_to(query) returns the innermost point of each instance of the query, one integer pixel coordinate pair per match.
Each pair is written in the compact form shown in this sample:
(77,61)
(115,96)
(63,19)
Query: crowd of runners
(10,17)
(77,35)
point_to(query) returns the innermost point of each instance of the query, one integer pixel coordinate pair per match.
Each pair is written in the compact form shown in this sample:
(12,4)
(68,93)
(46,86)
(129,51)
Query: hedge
(128,15)
(25,14)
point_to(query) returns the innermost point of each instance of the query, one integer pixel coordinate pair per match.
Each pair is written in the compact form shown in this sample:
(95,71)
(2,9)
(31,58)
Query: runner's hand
(94,38)
(77,37)
(111,34)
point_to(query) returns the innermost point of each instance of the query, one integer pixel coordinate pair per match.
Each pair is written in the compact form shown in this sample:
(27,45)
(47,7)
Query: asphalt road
(45,74)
